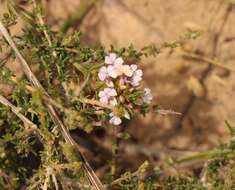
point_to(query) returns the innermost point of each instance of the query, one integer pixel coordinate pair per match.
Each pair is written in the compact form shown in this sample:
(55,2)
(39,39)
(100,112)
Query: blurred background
(197,79)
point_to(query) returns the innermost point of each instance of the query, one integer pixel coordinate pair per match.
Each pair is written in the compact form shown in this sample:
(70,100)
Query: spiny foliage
(33,154)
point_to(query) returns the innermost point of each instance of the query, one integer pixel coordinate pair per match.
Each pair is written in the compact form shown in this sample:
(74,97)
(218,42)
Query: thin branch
(96,103)
(82,100)
(168,112)
(207,60)
(135,175)
(202,156)
(55,181)
(41,22)
(124,178)
(48,174)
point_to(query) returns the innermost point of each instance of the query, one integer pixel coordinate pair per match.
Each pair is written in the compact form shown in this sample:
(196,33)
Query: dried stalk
(55,181)
(94,180)
(207,60)
(48,174)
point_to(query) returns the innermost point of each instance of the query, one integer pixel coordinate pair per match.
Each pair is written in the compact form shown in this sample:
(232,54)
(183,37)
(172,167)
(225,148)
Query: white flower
(119,69)
(110,59)
(125,70)
(137,77)
(104,76)
(113,59)
(103,73)
(113,71)
(114,120)
(107,96)
(147,98)
(119,60)
(134,67)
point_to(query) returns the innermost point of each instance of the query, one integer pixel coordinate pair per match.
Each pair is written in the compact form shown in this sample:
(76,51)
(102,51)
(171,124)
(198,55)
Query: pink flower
(137,75)
(134,67)
(104,76)
(107,96)
(113,71)
(103,73)
(114,120)
(147,98)
(113,59)
(119,69)
(125,70)
(110,59)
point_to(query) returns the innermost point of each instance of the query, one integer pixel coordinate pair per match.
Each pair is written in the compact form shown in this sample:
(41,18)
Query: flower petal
(112,72)
(119,61)
(103,73)
(126,70)
(115,120)
(127,115)
(101,94)
(147,98)
(139,72)
(110,59)
(112,92)
(133,67)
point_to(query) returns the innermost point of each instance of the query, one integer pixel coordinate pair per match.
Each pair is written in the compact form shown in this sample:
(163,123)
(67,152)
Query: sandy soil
(172,77)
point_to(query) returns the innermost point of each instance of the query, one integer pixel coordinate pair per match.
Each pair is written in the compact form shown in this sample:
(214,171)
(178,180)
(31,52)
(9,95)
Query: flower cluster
(118,76)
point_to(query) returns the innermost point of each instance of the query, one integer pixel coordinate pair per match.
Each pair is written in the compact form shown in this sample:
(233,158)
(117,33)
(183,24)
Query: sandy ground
(170,76)
(203,93)
(156,21)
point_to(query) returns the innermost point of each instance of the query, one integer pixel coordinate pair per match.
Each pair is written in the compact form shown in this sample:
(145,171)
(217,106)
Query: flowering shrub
(74,87)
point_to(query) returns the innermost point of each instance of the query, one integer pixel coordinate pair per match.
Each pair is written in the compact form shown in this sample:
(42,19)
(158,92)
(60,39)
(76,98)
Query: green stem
(206,155)
(115,149)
